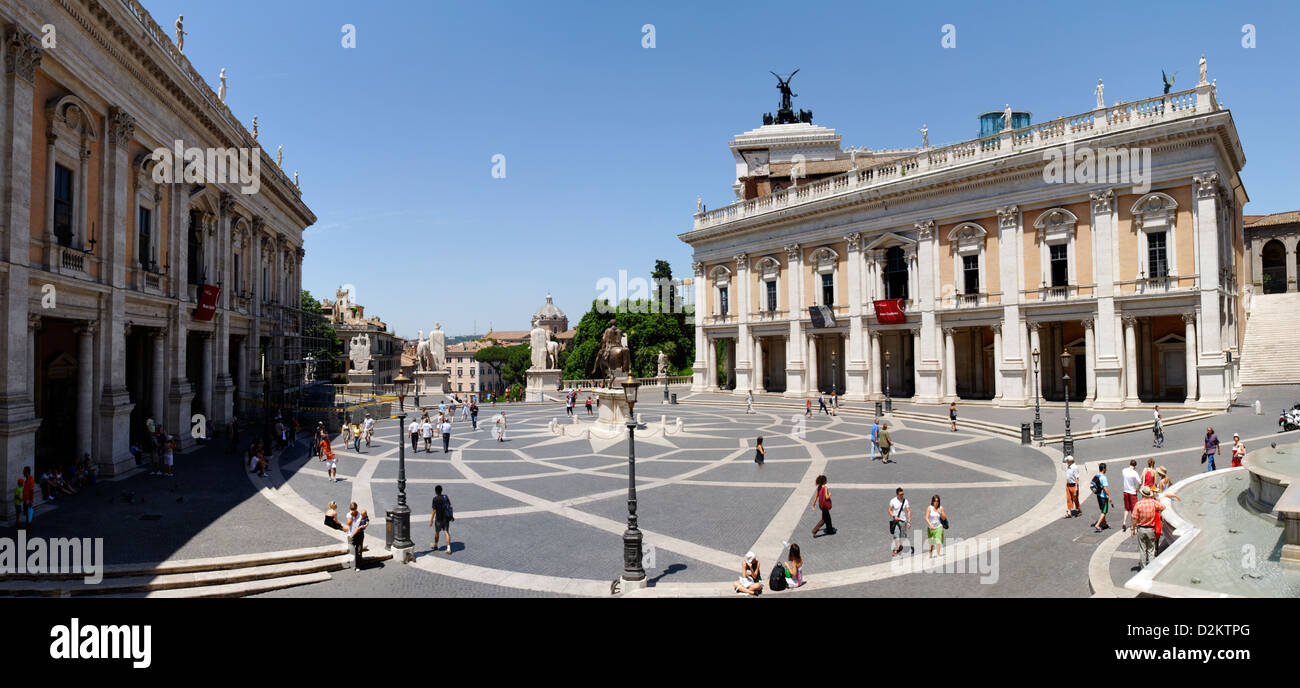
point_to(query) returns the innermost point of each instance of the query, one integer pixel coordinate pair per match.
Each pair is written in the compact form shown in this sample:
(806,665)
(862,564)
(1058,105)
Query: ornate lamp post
(889,403)
(633,572)
(401,514)
(1067,444)
(1038,419)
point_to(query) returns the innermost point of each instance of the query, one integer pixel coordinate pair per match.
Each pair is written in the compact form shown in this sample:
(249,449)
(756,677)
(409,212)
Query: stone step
(223,582)
(241,589)
(171,566)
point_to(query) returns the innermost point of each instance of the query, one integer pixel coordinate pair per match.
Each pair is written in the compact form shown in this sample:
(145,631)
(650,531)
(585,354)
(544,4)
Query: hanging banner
(207,302)
(821,316)
(890,311)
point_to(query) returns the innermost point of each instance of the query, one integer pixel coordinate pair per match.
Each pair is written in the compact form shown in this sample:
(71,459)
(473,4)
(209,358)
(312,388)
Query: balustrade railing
(1042,135)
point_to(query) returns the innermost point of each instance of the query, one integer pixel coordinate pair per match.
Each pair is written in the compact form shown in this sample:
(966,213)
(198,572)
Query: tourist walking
(331,464)
(835,403)
(822,500)
(1211,449)
(473,413)
(29,494)
(446,434)
(18,502)
(347,433)
(751,576)
(356,437)
(807,406)
(875,439)
(886,443)
(936,522)
(168,457)
(441,518)
(759,452)
(1157,429)
(1146,516)
(369,428)
(357,522)
(749,401)
(1101,487)
(426,431)
(500,426)
(464,410)
(1072,509)
(1238,450)
(1132,481)
(568,404)
(900,520)
(414,431)
(589,406)
(952,415)
(821,401)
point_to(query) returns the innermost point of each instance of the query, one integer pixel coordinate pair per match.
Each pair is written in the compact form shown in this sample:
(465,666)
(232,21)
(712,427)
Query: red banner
(207,302)
(890,311)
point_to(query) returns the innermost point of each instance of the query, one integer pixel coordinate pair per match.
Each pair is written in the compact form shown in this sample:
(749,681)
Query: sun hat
(1069,458)
(749,556)
(1146,491)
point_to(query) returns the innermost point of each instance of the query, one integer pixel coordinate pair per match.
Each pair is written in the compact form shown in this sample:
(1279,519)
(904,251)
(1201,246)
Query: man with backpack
(441,518)
(1100,488)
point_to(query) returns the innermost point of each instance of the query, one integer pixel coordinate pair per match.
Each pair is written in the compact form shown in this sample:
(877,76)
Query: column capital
(997,328)
(1102,201)
(854,240)
(742,261)
(121,126)
(1087,323)
(1189,318)
(924,230)
(159,333)
(792,251)
(949,331)
(33,321)
(1008,216)
(86,328)
(697,268)
(1129,320)
(226,204)
(875,334)
(126,328)
(22,53)
(1034,325)
(1207,184)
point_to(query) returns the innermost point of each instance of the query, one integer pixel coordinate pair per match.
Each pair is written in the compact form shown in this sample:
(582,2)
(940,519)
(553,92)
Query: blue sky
(607,143)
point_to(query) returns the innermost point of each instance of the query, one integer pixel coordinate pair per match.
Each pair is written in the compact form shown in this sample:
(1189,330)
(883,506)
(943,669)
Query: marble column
(1035,346)
(814,381)
(1147,363)
(711,363)
(1189,337)
(949,364)
(795,378)
(85,388)
(912,350)
(760,379)
(855,363)
(208,370)
(742,350)
(699,369)
(997,360)
(1130,358)
(1090,343)
(875,364)
(157,379)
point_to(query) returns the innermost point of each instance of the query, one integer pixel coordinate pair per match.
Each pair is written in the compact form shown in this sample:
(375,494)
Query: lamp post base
(626,585)
(403,555)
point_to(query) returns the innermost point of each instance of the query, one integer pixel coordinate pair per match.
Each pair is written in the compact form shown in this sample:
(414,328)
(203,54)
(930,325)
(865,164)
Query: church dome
(548,311)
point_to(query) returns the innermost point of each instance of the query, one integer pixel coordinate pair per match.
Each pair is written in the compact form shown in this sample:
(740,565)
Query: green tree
(494,356)
(518,359)
(319,339)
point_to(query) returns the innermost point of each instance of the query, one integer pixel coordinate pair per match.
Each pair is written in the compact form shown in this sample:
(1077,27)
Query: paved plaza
(542,513)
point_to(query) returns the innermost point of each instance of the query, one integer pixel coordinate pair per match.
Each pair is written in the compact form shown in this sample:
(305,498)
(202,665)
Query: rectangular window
(471,371)
(1060,262)
(724,307)
(828,289)
(771,295)
(63,205)
(970,269)
(1157,255)
(238,276)
(144,248)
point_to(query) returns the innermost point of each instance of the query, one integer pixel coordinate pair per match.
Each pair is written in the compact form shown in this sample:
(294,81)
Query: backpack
(1096,484)
(776,582)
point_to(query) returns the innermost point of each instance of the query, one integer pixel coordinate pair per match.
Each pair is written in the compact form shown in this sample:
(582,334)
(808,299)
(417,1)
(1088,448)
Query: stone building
(125,297)
(469,376)
(548,316)
(1273,247)
(934,273)
(384,351)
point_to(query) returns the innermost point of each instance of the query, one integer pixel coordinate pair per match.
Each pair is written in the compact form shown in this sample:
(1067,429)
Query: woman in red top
(1149,475)
(1238,450)
(822,501)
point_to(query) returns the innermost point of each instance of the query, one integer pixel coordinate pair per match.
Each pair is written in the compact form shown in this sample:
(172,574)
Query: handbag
(1203,455)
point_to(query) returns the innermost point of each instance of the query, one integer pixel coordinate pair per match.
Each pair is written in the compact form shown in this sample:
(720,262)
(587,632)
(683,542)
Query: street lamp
(633,572)
(1067,444)
(889,403)
(1038,419)
(401,514)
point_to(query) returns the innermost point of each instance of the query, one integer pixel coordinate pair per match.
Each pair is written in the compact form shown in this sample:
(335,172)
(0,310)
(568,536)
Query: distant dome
(548,311)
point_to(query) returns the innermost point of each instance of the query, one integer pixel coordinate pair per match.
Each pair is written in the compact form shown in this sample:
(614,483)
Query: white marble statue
(279,156)
(422,357)
(1202,65)
(254,127)
(437,348)
(295,180)
(699,204)
(552,354)
(662,364)
(538,337)
(221,90)
(180,32)
(309,371)
(359,352)
(925,136)
(1099,91)
(1006,117)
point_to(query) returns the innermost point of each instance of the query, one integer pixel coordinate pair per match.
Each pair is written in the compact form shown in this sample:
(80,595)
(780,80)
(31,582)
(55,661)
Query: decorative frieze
(22,53)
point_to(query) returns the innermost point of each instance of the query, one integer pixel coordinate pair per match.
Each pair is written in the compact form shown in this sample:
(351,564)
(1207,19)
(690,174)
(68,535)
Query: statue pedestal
(613,409)
(540,382)
(360,382)
(432,381)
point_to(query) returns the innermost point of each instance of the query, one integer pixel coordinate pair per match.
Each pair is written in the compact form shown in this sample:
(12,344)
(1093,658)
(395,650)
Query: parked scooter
(1289,419)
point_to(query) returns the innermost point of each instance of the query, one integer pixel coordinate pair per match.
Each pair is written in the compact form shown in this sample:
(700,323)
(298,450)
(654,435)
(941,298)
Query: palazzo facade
(103,269)
(990,255)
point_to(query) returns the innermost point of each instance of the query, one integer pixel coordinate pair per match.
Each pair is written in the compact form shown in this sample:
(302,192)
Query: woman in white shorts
(167,456)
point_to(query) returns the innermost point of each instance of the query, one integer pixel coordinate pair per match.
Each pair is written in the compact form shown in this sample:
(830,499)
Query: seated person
(751,576)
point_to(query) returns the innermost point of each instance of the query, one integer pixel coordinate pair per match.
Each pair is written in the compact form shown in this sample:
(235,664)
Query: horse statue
(613,356)
(552,355)
(423,353)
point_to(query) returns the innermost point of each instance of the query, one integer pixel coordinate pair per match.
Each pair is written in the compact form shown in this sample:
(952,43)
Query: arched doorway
(1273,258)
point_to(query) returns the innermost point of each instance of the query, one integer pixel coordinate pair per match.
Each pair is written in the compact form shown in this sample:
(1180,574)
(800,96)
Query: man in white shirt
(426,431)
(414,431)
(1131,482)
(446,434)
(1071,488)
(900,520)
(368,427)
